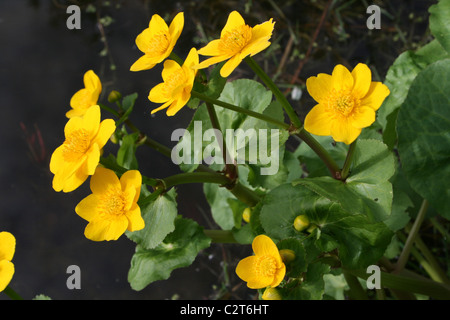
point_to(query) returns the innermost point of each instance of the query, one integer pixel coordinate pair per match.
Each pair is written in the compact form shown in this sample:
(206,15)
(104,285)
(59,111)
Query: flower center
(266,266)
(235,40)
(158,44)
(174,83)
(112,203)
(342,102)
(75,145)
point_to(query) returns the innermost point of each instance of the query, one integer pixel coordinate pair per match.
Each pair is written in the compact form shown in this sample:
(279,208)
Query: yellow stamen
(76,144)
(266,266)
(235,40)
(158,44)
(112,204)
(174,83)
(342,102)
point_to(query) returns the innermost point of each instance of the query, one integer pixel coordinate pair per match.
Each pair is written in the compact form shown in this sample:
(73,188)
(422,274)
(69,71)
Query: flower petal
(254,48)
(103,179)
(362,118)
(100,230)
(158,25)
(92,82)
(343,131)
(135,221)
(211,61)
(262,245)
(319,87)
(211,49)
(318,121)
(230,65)
(263,31)
(92,160)
(165,105)
(157,94)
(342,78)
(362,77)
(376,95)
(145,62)
(6,273)
(246,268)
(7,246)
(176,27)
(87,208)
(74,181)
(178,103)
(105,131)
(234,20)
(279,276)
(170,66)
(132,179)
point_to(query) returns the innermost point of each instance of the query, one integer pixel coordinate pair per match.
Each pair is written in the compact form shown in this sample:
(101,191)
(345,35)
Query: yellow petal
(92,82)
(376,95)
(7,246)
(262,245)
(102,180)
(66,178)
(211,61)
(230,65)
(178,104)
(105,230)
(92,160)
(176,27)
(254,48)
(72,125)
(279,276)
(91,120)
(362,77)
(135,221)
(87,208)
(363,117)
(318,121)
(342,78)
(170,66)
(191,60)
(74,181)
(157,94)
(246,268)
(263,31)
(157,25)
(165,105)
(57,160)
(75,113)
(143,40)
(6,273)
(105,131)
(343,131)
(132,179)
(145,62)
(211,49)
(83,99)
(319,87)
(234,20)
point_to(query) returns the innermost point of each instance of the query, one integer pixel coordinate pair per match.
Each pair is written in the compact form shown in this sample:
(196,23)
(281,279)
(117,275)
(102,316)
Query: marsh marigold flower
(237,41)
(112,207)
(87,97)
(347,102)
(157,41)
(78,157)
(7,249)
(263,269)
(175,91)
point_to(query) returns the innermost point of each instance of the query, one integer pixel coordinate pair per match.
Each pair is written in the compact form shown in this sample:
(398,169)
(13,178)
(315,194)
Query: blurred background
(42,64)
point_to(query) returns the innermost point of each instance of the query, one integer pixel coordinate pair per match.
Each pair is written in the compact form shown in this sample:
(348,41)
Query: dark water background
(42,65)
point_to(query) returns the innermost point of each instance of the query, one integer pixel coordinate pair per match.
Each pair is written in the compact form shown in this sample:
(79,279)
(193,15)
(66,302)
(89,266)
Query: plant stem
(220,236)
(356,290)
(348,161)
(12,294)
(276,91)
(110,110)
(244,194)
(411,237)
(195,177)
(321,152)
(408,284)
(229,106)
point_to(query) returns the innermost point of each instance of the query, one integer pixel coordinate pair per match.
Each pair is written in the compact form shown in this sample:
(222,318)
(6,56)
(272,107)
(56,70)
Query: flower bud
(271,294)
(114,96)
(287,255)
(246,215)
(311,228)
(301,222)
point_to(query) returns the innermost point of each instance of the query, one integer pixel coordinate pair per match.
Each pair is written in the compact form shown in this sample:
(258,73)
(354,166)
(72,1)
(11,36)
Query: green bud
(114,96)
(287,255)
(301,222)
(246,214)
(271,294)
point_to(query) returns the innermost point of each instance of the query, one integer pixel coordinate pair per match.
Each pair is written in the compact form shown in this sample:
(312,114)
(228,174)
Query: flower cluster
(112,208)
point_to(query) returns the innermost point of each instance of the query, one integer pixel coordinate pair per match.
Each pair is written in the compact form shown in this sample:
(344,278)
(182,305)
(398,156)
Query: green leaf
(159,216)
(129,101)
(399,78)
(359,240)
(219,199)
(439,26)
(126,155)
(179,249)
(424,138)
(212,89)
(367,189)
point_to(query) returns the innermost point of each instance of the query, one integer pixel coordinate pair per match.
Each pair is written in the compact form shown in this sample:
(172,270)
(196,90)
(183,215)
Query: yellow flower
(175,91)
(346,102)
(157,41)
(263,269)
(271,294)
(112,207)
(237,41)
(78,157)
(86,97)
(7,249)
